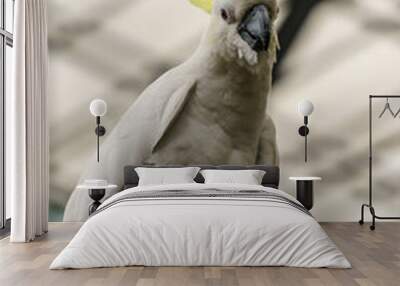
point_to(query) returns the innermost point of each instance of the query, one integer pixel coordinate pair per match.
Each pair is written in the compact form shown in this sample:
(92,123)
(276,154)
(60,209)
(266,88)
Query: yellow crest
(206,5)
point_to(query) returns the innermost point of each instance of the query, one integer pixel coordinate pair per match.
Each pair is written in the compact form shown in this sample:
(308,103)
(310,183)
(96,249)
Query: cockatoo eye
(227,14)
(224,14)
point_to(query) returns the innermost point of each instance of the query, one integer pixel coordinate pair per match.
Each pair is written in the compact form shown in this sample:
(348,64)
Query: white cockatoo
(211,109)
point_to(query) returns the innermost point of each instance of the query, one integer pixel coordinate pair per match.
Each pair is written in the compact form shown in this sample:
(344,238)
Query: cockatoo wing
(135,136)
(174,106)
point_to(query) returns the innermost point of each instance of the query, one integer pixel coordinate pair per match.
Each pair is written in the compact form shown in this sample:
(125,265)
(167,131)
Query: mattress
(201,225)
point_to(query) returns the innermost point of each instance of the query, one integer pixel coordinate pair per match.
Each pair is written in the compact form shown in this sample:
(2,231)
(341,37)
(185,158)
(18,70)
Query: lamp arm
(98,137)
(100,131)
(305,150)
(306,141)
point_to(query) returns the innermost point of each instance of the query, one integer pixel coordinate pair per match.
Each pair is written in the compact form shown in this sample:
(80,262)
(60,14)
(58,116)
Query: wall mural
(211,109)
(183,86)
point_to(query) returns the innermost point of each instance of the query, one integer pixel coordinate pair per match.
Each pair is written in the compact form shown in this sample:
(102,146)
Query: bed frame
(271,177)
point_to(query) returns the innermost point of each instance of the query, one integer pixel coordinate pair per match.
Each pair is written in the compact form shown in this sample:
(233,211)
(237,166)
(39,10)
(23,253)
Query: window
(6,62)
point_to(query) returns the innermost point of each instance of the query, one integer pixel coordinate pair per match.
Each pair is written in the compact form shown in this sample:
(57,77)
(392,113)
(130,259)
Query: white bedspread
(200,231)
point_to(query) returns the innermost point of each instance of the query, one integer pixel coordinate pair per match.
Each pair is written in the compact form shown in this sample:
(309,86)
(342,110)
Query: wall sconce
(305,108)
(98,108)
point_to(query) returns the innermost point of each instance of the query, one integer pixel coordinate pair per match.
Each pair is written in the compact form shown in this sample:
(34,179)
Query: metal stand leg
(372,210)
(374,216)
(361,221)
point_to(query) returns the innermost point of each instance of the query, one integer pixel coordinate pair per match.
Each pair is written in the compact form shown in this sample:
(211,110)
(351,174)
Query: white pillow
(165,176)
(245,177)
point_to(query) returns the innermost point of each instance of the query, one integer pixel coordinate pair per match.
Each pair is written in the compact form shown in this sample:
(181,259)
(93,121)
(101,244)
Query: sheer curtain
(27,159)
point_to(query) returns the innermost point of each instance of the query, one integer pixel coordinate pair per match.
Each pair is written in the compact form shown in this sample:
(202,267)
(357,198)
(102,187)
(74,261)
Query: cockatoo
(211,109)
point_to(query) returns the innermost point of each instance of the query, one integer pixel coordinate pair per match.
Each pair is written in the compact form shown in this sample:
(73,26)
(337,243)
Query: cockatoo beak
(255,28)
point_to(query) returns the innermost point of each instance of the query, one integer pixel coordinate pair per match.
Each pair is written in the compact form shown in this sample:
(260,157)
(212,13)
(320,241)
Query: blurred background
(334,53)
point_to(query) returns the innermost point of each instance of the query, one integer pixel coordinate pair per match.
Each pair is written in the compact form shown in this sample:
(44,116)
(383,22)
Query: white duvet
(200,232)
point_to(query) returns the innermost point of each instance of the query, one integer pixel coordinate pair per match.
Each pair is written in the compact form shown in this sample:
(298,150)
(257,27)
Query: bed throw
(201,225)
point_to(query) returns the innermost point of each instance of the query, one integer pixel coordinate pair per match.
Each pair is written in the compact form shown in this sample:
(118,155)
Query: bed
(201,224)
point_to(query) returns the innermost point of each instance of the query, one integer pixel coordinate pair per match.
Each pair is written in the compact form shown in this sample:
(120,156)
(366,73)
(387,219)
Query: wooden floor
(375,257)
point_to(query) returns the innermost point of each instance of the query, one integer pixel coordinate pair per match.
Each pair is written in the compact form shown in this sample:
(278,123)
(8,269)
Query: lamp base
(304,131)
(100,130)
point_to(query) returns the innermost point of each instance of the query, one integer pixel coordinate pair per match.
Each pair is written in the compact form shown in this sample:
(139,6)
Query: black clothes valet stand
(387,109)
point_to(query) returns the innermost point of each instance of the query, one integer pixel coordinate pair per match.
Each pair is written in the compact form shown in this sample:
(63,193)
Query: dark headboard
(271,177)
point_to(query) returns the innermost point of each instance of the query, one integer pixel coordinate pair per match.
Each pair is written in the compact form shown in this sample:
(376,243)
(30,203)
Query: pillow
(244,177)
(165,176)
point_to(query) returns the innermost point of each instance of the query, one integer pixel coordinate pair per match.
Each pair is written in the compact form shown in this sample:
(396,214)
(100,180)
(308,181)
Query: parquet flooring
(375,257)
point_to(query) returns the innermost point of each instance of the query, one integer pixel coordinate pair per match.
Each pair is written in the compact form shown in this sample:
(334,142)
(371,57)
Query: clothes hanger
(387,107)
(397,113)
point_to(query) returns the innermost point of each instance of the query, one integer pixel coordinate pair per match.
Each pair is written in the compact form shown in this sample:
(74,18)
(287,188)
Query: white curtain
(27,159)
